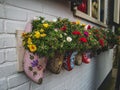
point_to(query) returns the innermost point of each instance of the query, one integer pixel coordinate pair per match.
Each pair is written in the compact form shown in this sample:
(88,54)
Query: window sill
(80,14)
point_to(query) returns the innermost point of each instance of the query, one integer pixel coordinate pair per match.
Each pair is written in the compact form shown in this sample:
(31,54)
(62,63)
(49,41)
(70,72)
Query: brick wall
(14,14)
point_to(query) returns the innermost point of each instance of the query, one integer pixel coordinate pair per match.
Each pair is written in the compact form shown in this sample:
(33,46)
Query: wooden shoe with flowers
(85,58)
(34,66)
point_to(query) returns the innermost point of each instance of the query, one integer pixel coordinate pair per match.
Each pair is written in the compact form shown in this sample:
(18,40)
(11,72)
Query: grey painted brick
(10,54)
(2,41)
(34,86)
(16,80)
(12,26)
(7,69)
(15,13)
(2,56)
(22,87)
(2,14)
(9,41)
(35,5)
(3,84)
(1,26)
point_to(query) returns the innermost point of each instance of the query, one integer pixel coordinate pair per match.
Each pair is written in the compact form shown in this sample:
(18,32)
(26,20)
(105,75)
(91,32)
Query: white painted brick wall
(12,26)
(3,84)
(15,13)
(1,26)
(7,69)
(10,41)
(13,16)
(22,87)
(2,14)
(10,54)
(7,40)
(16,80)
(2,56)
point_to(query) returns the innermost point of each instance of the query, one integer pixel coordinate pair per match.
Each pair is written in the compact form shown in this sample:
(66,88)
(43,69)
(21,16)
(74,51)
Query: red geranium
(64,28)
(83,39)
(76,32)
(101,41)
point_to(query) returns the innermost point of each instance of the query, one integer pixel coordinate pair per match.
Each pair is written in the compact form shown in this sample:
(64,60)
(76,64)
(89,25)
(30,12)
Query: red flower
(64,28)
(101,42)
(76,32)
(83,39)
(104,37)
(97,35)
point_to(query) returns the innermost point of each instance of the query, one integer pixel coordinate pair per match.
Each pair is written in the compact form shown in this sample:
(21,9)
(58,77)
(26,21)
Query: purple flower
(86,33)
(34,63)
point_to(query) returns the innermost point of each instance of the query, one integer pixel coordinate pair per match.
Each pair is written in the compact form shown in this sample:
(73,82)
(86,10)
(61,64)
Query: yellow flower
(43,35)
(90,33)
(77,22)
(37,34)
(32,48)
(41,30)
(83,25)
(45,25)
(29,41)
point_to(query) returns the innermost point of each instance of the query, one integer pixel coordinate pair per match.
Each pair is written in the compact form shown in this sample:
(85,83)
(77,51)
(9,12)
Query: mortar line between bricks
(7,48)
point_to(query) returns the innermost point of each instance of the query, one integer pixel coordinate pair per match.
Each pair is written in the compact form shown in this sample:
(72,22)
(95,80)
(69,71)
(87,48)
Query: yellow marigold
(45,25)
(37,34)
(41,30)
(29,41)
(43,35)
(83,25)
(77,22)
(32,47)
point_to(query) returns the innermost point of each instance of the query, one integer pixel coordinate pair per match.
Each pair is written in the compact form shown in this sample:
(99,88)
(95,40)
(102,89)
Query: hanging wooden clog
(78,59)
(34,66)
(69,59)
(55,63)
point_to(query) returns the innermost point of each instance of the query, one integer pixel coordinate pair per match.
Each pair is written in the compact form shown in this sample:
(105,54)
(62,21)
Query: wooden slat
(20,50)
(87,17)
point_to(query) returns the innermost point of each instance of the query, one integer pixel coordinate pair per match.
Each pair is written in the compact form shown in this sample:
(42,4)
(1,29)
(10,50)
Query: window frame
(89,17)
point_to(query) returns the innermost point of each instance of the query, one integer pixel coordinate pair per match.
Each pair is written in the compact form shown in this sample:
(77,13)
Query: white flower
(54,20)
(36,18)
(69,39)
(65,34)
(56,30)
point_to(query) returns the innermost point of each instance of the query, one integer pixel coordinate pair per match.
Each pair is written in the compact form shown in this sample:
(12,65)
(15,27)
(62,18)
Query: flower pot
(86,57)
(55,63)
(69,59)
(34,66)
(78,59)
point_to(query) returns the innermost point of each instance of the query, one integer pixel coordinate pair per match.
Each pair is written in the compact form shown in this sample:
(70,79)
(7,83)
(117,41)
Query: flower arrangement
(60,35)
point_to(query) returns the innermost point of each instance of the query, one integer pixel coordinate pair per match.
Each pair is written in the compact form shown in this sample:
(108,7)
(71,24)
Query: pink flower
(86,33)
